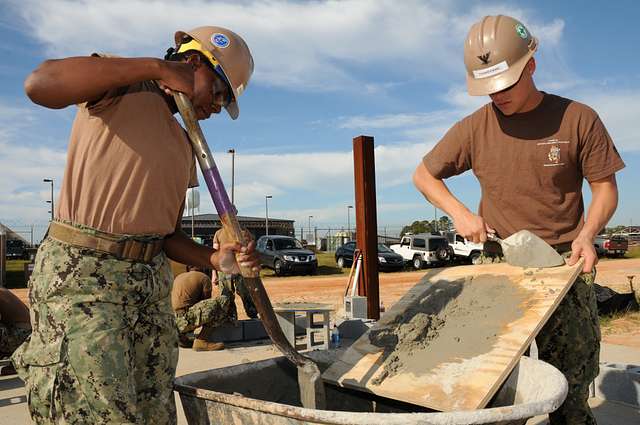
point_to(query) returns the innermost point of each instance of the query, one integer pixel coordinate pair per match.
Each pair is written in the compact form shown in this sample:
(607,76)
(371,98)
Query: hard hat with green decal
(495,53)
(227,52)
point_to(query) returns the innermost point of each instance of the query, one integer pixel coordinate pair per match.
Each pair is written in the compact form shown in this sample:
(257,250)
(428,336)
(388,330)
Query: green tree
(424,226)
(445,223)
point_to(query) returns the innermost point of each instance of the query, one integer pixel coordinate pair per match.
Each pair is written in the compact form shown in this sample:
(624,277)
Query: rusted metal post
(3,258)
(366,222)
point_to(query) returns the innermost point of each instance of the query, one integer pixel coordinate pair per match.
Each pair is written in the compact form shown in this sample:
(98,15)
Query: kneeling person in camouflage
(194,307)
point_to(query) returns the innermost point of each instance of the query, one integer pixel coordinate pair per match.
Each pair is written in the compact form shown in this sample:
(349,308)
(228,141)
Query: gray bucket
(266,392)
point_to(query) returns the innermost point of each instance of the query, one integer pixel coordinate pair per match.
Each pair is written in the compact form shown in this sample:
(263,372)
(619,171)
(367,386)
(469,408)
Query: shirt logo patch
(554,156)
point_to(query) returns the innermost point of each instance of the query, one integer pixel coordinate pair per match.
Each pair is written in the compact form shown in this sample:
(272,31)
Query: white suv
(463,248)
(423,248)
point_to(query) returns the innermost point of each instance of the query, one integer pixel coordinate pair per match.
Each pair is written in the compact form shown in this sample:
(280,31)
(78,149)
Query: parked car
(387,259)
(424,248)
(614,245)
(285,254)
(17,250)
(464,249)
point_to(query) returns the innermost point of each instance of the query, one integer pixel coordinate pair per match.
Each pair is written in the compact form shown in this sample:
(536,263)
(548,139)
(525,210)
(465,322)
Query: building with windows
(206,225)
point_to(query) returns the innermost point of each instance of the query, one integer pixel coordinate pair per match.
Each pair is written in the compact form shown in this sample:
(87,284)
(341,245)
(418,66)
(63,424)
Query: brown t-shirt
(189,288)
(530,165)
(129,164)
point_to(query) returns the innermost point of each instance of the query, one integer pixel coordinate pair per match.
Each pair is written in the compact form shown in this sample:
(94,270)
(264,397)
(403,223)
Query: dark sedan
(285,254)
(387,259)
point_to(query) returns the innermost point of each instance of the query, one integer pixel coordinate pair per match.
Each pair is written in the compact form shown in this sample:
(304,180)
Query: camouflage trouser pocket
(53,395)
(38,367)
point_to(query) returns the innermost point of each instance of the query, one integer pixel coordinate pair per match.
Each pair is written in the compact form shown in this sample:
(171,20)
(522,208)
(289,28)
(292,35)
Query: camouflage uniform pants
(104,343)
(210,312)
(236,283)
(570,341)
(11,337)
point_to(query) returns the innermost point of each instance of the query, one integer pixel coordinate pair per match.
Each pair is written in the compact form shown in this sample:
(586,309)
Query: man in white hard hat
(104,345)
(531,151)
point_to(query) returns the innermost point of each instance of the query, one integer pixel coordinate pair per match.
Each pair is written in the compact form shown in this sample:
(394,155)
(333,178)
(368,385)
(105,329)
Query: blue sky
(326,71)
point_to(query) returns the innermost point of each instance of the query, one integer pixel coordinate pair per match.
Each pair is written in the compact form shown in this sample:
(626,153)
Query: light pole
(308,234)
(51,200)
(349,207)
(233,172)
(266,214)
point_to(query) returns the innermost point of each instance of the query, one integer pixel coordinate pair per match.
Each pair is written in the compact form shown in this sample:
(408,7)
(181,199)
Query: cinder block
(618,382)
(301,324)
(354,328)
(355,307)
(253,329)
(229,332)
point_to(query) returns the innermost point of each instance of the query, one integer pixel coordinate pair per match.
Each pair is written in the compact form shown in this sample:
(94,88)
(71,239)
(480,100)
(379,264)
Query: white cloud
(393,120)
(22,169)
(320,45)
(619,113)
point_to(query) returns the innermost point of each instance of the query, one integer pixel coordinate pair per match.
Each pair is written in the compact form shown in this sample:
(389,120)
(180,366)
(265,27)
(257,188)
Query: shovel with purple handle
(312,393)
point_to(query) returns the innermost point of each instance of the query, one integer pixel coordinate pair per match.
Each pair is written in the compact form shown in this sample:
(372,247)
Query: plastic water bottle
(335,336)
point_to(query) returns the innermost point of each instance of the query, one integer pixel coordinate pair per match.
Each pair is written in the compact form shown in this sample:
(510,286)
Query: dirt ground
(330,289)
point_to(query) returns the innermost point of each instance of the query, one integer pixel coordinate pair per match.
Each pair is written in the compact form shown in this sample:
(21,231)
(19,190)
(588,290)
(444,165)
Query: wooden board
(461,383)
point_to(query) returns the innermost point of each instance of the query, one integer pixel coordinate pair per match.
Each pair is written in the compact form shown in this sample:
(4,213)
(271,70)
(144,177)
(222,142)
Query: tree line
(428,226)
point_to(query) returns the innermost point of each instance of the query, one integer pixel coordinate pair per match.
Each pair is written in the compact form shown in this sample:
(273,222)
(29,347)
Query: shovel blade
(312,394)
(525,249)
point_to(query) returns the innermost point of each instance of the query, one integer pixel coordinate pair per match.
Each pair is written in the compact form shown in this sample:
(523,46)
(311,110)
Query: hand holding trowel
(312,392)
(525,249)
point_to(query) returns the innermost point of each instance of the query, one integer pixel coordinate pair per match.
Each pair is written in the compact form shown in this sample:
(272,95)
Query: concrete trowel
(525,249)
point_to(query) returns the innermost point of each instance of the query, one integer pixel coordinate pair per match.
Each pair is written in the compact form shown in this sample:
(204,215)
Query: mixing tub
(266,392)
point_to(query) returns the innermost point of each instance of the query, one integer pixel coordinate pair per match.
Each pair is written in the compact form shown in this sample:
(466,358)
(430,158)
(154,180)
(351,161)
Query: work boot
(185,341)
(202,345)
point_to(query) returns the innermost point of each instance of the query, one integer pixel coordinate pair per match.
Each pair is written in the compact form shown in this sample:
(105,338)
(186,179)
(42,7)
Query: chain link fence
(331,238)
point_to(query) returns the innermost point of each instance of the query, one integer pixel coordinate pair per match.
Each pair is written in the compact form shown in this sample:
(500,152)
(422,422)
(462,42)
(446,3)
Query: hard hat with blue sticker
(220,40)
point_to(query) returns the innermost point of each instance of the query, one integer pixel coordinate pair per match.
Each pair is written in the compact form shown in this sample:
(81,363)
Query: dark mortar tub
(266,392)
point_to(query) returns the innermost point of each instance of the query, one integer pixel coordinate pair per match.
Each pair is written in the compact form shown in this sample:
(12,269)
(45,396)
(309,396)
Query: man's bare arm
(604,200)
(181,248)
(468,224)
(58,83)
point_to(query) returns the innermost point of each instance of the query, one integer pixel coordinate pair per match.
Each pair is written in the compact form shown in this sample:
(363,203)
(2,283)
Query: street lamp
(308,234)
(51,200)
(266,214)
(349,207)
(435,217)
(233,177)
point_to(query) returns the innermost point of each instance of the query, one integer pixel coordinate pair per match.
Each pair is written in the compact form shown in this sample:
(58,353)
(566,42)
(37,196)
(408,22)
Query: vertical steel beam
(366,222)
(3,258)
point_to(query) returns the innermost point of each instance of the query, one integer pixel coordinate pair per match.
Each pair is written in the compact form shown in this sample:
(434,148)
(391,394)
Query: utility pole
(349,207)
(309,234)
(193,204)
(435,217)
(51,200)
(233,173)
(266,214)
